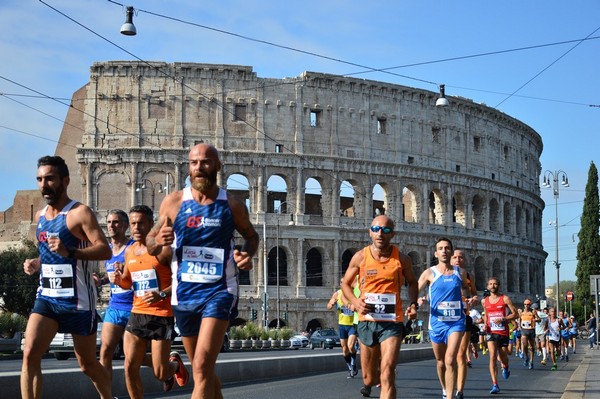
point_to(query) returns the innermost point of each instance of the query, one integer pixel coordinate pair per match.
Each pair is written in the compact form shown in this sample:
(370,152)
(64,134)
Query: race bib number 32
(384,307)
(202,264)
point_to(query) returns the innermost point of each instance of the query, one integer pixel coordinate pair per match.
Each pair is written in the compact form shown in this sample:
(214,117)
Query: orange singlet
(147,274)
(380,285)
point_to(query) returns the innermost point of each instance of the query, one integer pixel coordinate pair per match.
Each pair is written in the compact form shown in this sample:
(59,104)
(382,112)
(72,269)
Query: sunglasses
(384,229)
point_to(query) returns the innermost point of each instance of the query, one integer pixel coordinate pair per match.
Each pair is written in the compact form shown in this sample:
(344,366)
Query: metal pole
(556,240)
(277,257)
(266,280)
(596,315)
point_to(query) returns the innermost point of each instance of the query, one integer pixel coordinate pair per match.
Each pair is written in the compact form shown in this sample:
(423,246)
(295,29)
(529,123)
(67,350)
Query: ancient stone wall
(467,171)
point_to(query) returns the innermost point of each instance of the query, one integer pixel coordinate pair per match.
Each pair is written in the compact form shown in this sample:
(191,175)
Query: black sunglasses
(384,229)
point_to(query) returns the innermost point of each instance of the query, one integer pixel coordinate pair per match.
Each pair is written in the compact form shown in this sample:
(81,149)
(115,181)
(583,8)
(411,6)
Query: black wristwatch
(162,295)
(71,254)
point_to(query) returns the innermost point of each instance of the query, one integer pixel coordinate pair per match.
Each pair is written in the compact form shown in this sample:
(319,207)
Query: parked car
(325,338)
(302,338)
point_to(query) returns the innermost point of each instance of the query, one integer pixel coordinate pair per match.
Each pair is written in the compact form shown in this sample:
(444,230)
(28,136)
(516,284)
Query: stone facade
(467,171)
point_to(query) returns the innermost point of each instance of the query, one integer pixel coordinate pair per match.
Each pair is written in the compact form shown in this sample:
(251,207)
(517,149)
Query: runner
(447,314)
(529,317)
(555,326)
(541,330)
(346,329)
(499,310)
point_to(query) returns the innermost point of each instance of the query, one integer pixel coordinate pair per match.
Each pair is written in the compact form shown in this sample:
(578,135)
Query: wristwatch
(162,295)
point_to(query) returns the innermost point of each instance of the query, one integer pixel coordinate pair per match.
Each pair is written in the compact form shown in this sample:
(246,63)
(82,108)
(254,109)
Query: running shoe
(543,362)
(495,389)
(181,375)
(365,391)
(574,351)
(485,351)
(505,373)
(526,363)
(168,384)
(350,375)
(566,358)
(553,367)
(530,365)
(459,395)
(521,355)
(354,370)
(475,355)
(562,357)
(469,364)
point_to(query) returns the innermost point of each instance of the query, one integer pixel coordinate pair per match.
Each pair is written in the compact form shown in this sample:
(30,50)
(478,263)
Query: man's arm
(241,220)
(82,222)
(514,314)
(162,233)
(332,301)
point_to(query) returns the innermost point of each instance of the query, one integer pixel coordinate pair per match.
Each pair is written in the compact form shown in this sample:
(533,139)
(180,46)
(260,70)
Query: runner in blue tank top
(68,237)
(121,300)
(447,316)
(199,223)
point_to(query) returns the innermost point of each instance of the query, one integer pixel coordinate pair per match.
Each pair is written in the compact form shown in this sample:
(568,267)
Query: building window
(315,118)
(435,135)
(278,148)
(239,113)
(411,160)
(477,143)
(506,153)
(458,168)
(493,176)
(381,126)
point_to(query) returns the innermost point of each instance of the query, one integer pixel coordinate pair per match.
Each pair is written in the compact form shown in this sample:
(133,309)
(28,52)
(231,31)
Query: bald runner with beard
(199,223)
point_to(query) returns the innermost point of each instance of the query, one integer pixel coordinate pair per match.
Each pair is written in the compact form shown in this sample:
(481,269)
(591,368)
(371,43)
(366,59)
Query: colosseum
(315,157)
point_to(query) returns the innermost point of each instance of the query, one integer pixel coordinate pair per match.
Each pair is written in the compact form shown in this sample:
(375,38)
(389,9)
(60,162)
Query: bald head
(204,166)
(383,220)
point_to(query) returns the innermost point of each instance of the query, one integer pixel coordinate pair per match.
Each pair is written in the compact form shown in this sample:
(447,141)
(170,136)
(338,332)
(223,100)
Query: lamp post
(551,181)
(278,211)
(142,186)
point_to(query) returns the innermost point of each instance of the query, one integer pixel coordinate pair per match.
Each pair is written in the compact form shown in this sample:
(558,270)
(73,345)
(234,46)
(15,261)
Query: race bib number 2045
(202,264)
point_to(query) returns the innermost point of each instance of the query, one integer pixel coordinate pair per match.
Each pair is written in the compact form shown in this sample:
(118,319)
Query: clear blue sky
(44,51)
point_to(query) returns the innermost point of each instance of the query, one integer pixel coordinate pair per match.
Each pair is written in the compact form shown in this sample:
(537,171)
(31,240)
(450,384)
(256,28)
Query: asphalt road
(414,380)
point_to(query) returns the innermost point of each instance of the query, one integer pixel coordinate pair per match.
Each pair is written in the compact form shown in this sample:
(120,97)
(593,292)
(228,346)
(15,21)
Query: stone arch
(459,213)
(522,277)
(314,325)
(478,217)
(481,275)
(313,196)
(512,284)
(498,272)
(379,200)
(277,193)
(108,182)
(436,207)
(494,209)
(348,198)
(508,221)
(519,221)
(239,185)
(418,265)
(410,204)
(346,257)
(272,267)
(314,268)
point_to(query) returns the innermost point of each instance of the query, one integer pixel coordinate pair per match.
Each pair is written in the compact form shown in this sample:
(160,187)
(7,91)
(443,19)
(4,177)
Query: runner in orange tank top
(382,270)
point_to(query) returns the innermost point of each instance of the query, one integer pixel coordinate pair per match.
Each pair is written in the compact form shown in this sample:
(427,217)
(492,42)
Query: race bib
(496,326)
(449,311)
(144,281)
(202,264)
(385,307)
(346,311)
(57,281)
(526,324)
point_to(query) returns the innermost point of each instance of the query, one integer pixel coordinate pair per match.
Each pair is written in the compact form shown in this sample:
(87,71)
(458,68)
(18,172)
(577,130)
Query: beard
(209,181)
(51,196)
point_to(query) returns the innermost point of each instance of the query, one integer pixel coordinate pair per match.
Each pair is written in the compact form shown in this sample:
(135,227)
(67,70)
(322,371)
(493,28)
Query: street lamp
(291,222)
(142,186)
(551,181)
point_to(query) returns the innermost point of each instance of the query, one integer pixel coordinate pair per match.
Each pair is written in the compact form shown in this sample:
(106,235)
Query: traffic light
(253,314)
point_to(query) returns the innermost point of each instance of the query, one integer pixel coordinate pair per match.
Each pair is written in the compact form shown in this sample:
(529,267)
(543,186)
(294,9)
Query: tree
(588,248)
(17,289)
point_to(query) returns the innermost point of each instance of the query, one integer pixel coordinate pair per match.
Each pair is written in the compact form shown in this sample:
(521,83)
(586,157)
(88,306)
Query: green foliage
(274,333)
(252,330)
(235,332)
(17,289)
(264,334)
(588,247)
(10,323)
(286,333)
